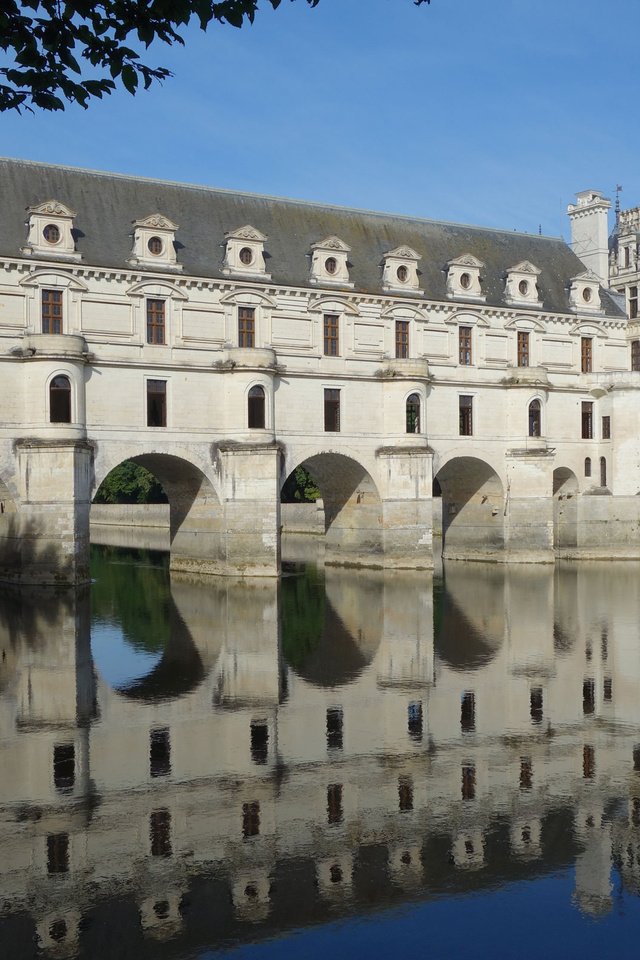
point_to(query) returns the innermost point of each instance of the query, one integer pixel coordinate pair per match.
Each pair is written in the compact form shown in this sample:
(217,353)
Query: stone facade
(224,339)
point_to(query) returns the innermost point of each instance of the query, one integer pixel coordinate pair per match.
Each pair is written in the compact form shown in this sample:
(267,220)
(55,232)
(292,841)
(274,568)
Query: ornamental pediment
(331,243)
(466,260)
(588,276)
(525,266)
(403,253)
(246,233)
(157,221)
(53,208)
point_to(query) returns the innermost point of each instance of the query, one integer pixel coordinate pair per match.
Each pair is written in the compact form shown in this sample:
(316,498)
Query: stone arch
(473,510)
(352,508)
(565,508)
(196,525)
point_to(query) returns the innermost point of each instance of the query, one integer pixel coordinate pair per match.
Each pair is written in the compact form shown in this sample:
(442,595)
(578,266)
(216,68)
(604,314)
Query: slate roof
(107,204)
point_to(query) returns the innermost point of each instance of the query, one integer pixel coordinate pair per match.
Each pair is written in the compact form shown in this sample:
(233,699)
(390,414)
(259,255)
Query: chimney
(590,231)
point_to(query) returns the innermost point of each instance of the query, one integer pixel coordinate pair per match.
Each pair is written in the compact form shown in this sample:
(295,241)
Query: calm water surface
(347,764)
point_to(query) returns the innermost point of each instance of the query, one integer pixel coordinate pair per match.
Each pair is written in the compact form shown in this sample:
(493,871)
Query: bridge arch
(473,508)
(352,507)
(196,521)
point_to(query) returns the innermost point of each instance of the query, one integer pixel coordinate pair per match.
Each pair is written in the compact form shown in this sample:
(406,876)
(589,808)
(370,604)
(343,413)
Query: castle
(223,339)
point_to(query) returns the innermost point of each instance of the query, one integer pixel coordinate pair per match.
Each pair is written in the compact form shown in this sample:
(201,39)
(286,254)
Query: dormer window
(329,263)
(463,278)
(584,293)
(521,285)
(51,232)
(244,253)
(400,270)
(154,243)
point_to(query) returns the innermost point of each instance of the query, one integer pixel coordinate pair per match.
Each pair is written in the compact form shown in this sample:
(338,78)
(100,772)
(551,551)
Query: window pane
(586,354)
(331,341)
(155,321)
(156,403)
(523,348)
(635,354)
(52,311)
(60,400)
(464,337)
(256,408)
(332,411)
(535,419)
(466,416)
(402,339)
(606,428)
(246,327)
(587,420)
(413,414)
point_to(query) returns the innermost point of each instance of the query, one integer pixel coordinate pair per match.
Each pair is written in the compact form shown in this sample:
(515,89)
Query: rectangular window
(402,339)
(159,753)
(64,767)
(523,348)
(52,311)
(466,416)
(334,803)
(405,794)
(334,728)
(332,411)
(468,712)
(160,833)
(635,354)
(331,335)
(246,327)
(633,303)
(259,742)
(587,420)
(586,354)
(156,403)
(627,256)
(155,321)
(464,344)
(414,720)
(251,819)
(606,428)
(536,705)
(58,853)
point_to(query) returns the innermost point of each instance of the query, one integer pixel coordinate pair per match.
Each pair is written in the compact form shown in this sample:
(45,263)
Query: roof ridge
(289,200)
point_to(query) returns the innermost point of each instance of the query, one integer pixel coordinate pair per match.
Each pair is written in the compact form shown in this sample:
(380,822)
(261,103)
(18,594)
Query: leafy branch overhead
(57,51)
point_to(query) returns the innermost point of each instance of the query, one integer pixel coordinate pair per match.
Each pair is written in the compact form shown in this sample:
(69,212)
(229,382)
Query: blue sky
(491,112)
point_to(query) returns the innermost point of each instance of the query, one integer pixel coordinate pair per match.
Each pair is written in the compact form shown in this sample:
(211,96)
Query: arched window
(587,466)
(603,472)
(60,400)
(256,408)
(413,414)
(535,419)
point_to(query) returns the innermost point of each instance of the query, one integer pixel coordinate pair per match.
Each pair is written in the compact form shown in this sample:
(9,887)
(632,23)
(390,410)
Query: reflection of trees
(330,630)
(131,589)
(303,608)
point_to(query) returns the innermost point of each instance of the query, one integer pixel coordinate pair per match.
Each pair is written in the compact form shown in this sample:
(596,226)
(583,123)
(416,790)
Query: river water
(348,764)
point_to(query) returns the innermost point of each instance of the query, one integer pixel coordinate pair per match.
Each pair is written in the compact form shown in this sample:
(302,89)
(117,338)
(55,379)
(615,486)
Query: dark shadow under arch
(472,508)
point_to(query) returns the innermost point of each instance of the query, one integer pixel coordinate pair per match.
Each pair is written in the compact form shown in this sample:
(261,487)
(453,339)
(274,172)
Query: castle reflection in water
(312,750)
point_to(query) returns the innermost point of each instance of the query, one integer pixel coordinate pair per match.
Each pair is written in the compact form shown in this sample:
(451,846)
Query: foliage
(300,487)
(79,50)
(130,483)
